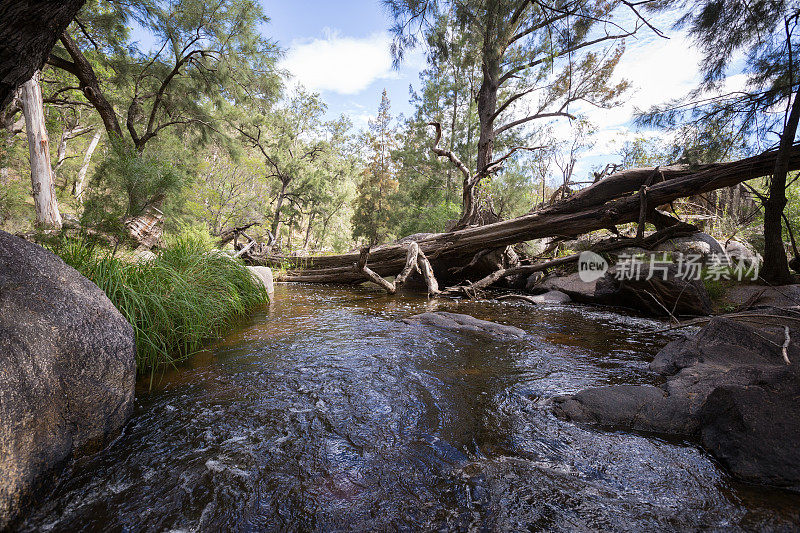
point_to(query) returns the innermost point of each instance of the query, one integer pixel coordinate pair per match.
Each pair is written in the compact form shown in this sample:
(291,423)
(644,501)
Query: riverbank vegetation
(183,296)
(202,127)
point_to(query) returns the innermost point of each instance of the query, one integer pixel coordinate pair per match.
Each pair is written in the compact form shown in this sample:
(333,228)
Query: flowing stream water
(325,412)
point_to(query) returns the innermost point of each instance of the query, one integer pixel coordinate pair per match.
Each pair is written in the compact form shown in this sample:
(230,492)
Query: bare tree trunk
(44,194)
(61,155)
(276,220)
(776,267)
(308,229)
(77,190)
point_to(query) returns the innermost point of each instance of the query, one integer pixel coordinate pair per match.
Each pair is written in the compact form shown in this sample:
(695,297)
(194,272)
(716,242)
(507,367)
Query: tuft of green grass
(186,295)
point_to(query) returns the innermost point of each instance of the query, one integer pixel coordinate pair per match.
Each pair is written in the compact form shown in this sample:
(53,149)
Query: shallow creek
(324,412)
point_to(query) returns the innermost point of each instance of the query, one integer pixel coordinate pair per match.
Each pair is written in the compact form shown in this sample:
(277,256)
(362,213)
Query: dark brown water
(325,413)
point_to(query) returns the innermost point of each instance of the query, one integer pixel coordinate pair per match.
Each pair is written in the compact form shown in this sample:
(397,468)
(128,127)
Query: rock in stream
(67,370)
(727,387)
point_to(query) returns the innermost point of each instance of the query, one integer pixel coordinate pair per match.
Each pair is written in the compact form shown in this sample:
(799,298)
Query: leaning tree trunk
(44,194)
(776,268)
(77,190)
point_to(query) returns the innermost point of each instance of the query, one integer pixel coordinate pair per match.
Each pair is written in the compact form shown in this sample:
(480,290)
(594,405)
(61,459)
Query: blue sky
(340,49)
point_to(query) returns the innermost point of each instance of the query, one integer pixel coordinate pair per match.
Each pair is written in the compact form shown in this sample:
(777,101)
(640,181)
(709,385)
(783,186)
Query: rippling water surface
(324,412)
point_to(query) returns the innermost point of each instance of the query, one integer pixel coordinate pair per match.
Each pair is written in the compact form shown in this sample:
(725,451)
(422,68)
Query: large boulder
(571,285)
(727,387)
(739,251)
(67,370)
(663,294)
(263,275)
(748,296)
(698,243)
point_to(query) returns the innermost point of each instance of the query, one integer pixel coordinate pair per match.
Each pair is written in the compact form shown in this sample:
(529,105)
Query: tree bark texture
(87,158)
(28,31)
(42,178)
(776,267)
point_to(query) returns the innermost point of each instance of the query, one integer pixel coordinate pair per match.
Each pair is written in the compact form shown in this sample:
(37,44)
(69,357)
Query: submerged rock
(728,387)
(551,297)
(67,370)
(465,323)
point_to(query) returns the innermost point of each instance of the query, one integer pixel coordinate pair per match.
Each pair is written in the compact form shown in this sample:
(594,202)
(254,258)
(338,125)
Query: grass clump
(186,295)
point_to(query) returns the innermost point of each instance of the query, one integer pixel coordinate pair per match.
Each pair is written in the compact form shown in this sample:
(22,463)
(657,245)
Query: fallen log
(602,205)
(415,261)
(229,234)
(649,242)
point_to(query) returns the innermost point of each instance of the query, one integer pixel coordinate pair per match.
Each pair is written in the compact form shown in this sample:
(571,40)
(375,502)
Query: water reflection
(324,412)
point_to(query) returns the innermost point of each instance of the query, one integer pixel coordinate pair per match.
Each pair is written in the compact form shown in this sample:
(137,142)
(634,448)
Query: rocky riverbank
(728,387)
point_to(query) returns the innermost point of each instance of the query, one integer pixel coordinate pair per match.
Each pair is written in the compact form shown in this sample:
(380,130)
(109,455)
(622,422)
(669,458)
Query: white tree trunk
(87,158)
(44,194)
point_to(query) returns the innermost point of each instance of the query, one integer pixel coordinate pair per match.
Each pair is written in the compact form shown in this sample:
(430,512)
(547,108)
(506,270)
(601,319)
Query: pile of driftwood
(624,197)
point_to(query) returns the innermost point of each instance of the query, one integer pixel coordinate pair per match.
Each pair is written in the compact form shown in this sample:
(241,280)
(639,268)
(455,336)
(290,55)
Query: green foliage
(126,183)
(371,216)
(766,31)
(714,288)
(184,296)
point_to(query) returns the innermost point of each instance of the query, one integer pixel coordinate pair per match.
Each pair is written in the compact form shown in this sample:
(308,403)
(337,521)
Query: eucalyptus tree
(766,31)
(42,180)
(538,61)
(325,193)
(196,58)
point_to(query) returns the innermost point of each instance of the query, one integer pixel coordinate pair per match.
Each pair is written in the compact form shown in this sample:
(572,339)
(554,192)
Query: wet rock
(67,370)
(728,388)
(628,407)
(551,297)
(465,323)
(753,429)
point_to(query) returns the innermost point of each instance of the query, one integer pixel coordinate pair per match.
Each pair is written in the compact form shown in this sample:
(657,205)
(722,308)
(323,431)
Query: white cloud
(344,65)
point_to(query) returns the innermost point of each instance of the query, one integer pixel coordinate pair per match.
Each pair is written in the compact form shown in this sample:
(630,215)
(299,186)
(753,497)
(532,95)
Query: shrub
(174,302)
